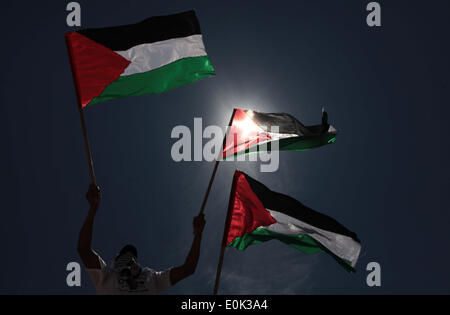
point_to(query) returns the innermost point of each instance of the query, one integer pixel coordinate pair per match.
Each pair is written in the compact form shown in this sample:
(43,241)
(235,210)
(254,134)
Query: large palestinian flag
(153,56)
(251,131)
(256,214)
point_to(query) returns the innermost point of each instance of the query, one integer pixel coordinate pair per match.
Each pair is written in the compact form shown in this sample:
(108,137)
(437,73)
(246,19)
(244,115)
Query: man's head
(126,262)
(128,249)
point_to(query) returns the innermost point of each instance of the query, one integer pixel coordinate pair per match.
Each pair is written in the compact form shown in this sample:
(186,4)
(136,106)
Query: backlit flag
(251,131)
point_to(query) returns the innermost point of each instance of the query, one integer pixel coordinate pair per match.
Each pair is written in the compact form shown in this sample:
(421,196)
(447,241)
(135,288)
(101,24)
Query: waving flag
(249,130)
(153,56)
(257,214)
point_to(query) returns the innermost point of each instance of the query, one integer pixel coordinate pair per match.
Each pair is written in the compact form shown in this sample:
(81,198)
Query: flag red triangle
(243,134)
(94,66)
(247,212)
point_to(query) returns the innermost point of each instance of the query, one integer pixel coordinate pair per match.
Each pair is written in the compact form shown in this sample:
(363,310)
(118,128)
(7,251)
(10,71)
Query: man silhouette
(125,275)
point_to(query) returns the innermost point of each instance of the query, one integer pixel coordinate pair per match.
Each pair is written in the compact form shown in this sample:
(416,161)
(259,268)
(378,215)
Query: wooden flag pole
(224,237)
(213,175)
(216,165)
(219,270)
(83,123)
(88,148)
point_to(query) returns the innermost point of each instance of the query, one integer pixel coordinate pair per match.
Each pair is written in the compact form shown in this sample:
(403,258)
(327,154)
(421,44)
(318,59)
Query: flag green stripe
(291,144)
(180,72)
(304,243)
(306,143)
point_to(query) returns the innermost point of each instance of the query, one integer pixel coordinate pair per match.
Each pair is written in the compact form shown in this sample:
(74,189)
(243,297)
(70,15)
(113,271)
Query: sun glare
(247,126)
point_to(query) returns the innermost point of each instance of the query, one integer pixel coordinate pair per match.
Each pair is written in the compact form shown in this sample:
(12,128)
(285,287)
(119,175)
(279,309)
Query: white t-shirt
(108,281)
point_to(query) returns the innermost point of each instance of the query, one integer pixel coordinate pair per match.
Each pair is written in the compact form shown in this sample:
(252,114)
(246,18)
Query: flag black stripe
(153,29)
(285,122)
(294,208)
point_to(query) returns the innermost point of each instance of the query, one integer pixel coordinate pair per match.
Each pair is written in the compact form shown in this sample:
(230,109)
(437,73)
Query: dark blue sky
(386,177)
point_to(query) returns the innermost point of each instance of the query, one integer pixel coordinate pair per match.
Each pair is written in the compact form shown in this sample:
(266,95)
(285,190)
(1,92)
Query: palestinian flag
(250,130)
(153,56)
(256,214)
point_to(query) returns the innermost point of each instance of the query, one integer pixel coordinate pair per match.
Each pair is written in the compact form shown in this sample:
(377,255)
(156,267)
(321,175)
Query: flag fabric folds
(252,131)
(256,214)
(153,56)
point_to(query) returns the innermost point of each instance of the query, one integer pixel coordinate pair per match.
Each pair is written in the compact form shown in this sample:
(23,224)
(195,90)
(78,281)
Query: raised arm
(189,266)
(88,256)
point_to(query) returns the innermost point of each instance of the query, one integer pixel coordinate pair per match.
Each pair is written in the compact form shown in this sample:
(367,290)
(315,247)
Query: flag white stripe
(341,245)
(146,57)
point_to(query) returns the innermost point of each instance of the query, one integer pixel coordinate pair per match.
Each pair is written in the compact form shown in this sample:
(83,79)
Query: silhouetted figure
(125,275)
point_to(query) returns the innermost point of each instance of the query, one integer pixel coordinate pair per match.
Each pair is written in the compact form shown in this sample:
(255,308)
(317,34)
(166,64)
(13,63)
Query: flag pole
(219,269)
(80,109)
(213,175)
(224,237)
(88,149)
(216,165)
